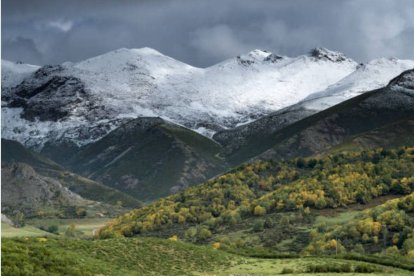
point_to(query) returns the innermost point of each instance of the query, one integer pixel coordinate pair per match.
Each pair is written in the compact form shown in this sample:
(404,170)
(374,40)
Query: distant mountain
(366,77)
(47,170)
(148,158)
(81,102)
(358,118)
(25,190)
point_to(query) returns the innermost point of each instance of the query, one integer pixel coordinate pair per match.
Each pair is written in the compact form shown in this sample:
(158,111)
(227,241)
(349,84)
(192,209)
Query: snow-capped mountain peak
(131,60)
(258,56)
(83,101)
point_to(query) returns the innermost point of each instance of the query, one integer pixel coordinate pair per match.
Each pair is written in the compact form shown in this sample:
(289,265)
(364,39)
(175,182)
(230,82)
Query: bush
(363,268)
(203,234)
(258,225)
(259,210)
(329,268)
(287,271)
(54,229)
(269,223)
(190,234)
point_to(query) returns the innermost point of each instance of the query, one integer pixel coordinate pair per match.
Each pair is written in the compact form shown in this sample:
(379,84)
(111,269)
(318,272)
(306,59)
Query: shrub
(259,210)
(190,234)
(54,229)
(258,225)
(173,238)
(216,245)
(203,234)
(363,268)
(287,271)
(329,268)
(269,223)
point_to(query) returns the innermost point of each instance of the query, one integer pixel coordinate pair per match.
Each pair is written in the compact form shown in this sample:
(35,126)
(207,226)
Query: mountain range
(147,125)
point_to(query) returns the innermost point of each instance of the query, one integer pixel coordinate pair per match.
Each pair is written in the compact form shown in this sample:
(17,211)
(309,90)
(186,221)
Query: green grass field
(152,256)
(149,256)
(84,226)
(8,231)
(298,266)
(337,219)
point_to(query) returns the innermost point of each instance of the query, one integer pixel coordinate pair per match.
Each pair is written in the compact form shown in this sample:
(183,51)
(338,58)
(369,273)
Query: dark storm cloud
(206,31)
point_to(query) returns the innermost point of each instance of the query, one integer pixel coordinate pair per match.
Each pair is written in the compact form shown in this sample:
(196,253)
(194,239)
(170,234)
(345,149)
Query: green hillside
(389,227)
(151,256)
(274,204)
(149,158)
(52,256)
(15,152)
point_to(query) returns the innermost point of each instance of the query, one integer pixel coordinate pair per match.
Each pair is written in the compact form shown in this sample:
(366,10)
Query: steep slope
(14,152)
(149,158)
(366,77)
(319,132)
(82,102)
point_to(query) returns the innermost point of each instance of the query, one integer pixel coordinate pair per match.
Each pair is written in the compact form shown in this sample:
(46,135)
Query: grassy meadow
(153,256)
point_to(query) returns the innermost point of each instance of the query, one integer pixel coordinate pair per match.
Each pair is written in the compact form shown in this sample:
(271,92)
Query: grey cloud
(22,49)
(205,32)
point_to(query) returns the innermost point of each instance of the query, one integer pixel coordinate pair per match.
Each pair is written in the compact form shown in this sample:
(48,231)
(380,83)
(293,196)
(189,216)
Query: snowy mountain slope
(367,77)
(372,75)
(376,117)
(82,102)
(13,73)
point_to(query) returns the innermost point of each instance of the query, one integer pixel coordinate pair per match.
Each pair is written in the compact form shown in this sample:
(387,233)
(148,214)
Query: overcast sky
(204,32)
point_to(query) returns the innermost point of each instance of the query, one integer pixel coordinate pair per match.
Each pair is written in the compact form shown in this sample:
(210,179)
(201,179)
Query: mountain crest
(325,54)
(258,56)
(405,81)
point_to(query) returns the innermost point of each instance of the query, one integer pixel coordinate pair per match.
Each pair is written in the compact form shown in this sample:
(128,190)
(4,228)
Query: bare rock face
(26,191)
